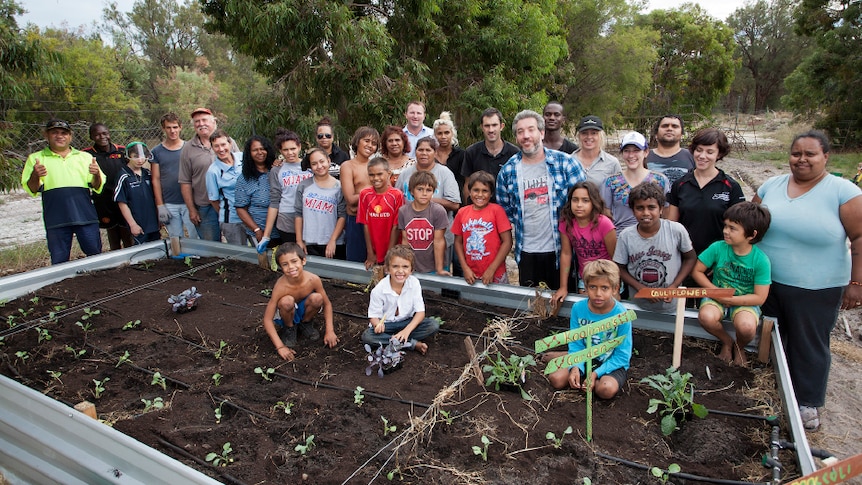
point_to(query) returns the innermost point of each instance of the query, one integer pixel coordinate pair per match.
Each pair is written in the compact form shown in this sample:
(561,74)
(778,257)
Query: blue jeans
(354,240)
(209,229)
(180,219)
(425,329)
(60,241)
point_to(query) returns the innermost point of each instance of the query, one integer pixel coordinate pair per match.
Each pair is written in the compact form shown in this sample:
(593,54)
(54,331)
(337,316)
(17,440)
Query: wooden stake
(87,408)
(262,260)
(765,339)
(836,473)
(677,332)
(176,249)
(471,352)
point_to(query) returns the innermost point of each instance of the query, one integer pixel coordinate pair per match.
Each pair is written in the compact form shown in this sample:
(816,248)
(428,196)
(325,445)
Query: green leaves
(677,399)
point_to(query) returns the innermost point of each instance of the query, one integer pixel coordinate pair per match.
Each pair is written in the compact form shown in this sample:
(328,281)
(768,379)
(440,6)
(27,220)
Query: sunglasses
(321,136)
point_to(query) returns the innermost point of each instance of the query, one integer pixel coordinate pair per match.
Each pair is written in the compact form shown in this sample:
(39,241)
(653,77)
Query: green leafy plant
(447,416)
(304,448)
(99,387)
(89,313)
(223,458)
(220,271)
(23,355)
(130,325)
(512,371)
(217,412)
(217,378)
(283,406)
(10,320)
(154,404)
(267,292)
(158,380)
(124,359)
(558,442)
(391,475)
(677,399)
(587,481)
(44,335)
(55,374)
(34,300)
(358,397)
(147,265)
(664,475)
(85,326)
(221,351)
(482,450)
(76,353)
(188,261)
(387,428)
(265,373)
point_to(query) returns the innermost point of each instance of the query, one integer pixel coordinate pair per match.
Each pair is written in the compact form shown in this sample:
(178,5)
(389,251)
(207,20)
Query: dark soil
(349,439)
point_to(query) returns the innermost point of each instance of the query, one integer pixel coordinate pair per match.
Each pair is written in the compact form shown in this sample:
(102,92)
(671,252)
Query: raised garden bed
(439,410)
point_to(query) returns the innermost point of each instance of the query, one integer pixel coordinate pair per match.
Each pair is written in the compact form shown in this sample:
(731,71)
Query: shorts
(620,375)
(298,313)
(731,312)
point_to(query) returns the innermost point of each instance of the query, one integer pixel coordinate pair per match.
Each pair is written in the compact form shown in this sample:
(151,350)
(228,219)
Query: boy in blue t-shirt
(736,263)
(134,195)
(602,281)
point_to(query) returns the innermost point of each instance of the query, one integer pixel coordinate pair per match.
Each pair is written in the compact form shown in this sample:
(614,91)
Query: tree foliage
(695,64)
(769,51)
(23,57)
(828,80)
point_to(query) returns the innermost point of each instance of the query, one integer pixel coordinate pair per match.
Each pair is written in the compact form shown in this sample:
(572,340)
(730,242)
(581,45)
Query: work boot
(307,331)
(288,336)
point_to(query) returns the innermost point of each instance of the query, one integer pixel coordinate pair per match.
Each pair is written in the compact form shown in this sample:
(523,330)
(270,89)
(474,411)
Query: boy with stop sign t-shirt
(423,225)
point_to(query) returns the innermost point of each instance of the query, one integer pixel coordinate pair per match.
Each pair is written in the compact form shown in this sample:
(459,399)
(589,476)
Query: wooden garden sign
(588,354)
(836,473)
(681,294)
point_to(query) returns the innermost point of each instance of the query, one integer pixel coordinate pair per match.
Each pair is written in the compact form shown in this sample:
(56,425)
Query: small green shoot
(358,397)
(221,459)
(158,380)
(131,325)
(267,292)
(154,404)
(88,313)
(391,475)
(147,265)
(265,373)
(220,271)
(587,481)
(76,353)
(482,450)
(447,416)
(558,442)
(677,398)
(188,261)
(221,351)
(34,300)
(55,374)
(23,355)
(304,448)
(217,378)
(283,406)
(662,475)
(217,412)
(44,335)
(387,428)
(124,359)
(86,327)
(100,387)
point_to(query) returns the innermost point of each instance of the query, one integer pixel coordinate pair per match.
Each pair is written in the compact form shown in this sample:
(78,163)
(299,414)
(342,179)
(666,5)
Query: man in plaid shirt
(532,188)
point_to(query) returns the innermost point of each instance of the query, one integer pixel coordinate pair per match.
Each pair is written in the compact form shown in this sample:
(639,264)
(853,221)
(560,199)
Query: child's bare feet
(421,347)
(726,353)
(739,357)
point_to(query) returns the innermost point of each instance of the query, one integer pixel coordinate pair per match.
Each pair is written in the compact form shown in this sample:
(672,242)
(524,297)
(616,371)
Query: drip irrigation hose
(685,476)
(227,476)
(815,452)
(772,459)
(771,420)
(339,388)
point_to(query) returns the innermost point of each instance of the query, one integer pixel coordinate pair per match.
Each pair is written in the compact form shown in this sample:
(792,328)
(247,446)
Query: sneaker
(307,331)
(810,417)
(288,336)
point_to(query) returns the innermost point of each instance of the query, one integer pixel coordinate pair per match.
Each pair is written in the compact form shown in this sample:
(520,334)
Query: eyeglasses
(321,136)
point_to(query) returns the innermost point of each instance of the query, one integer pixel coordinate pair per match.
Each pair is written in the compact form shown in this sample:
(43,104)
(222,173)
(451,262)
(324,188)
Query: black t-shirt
(476,157)
(111,163)
(701,211)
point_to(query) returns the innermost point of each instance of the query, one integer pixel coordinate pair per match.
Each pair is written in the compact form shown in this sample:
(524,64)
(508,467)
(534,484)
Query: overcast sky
(75,13)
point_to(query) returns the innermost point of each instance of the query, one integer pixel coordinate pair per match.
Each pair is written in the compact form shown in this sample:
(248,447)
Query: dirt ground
(438,408)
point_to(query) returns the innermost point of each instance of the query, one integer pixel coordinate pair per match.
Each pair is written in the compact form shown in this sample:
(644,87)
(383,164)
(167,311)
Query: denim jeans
(209,228)
(60,241)
(180,219)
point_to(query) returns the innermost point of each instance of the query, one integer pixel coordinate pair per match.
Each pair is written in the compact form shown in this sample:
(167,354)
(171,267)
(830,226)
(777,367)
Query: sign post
(836,473)
(587,355)
(681,294)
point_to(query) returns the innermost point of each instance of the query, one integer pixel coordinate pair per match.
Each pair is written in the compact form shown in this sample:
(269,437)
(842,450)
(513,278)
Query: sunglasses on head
(321,136)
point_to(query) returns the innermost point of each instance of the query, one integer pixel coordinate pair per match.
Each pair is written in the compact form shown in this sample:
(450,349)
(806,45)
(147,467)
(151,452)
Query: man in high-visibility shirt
(65,176)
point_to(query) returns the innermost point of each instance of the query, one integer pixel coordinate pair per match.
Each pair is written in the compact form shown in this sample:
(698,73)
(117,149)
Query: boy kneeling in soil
(396,308)
(297,297)
(602,281)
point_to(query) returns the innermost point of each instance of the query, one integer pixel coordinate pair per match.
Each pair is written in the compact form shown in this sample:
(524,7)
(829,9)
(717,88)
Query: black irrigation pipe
(223,400)
(176,382)
(339,388)
(685,476)
(771,420)
(177,449)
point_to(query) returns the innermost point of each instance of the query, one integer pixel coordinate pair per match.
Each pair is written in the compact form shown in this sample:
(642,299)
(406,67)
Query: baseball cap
(201,110)
(590,123)
(634,138)
(55,123)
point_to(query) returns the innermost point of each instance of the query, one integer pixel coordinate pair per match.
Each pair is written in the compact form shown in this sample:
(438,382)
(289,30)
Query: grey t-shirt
(602,168)
(320,209)
(283,182)
(538,234)
(420,227)
(653,261)
(673,167)
(169,171)
(447,188)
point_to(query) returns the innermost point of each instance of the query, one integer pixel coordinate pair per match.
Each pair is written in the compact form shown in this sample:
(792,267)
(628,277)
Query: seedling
(217,412)
(221,459)
(284,406)
(662,475)
(220,271)
(222,349)
(447,416)
(58,308)
(23,355)
(86,327)
(512,371)
(558,442)
(482,450)
(76,353)
(124,359)
(217,378)
(147,265)
(131,325)
(88,313)
(391,475)
(677,398)
(44,335)
(10,320)
(387,428)
(158,380)
(358,397)
(154,404)
(304,448)
(384,358)
(188,261)
(265,373)
(55,374)
(34,300)
(99,387)
(267,292)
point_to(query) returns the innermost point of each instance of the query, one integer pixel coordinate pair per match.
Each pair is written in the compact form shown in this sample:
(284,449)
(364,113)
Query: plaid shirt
(564,172)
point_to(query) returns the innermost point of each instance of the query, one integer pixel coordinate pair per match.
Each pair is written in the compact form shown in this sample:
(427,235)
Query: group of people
(412,200)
